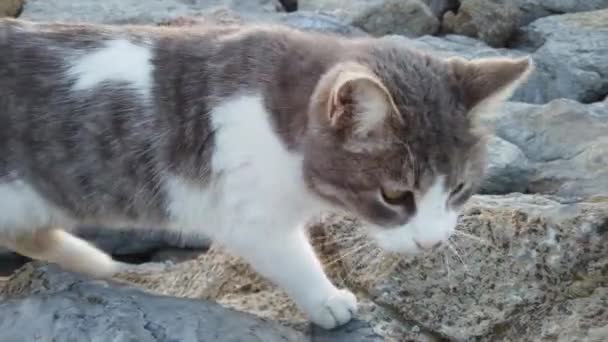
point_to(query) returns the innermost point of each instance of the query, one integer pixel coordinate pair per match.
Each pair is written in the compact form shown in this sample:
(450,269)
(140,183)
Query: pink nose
(427,245)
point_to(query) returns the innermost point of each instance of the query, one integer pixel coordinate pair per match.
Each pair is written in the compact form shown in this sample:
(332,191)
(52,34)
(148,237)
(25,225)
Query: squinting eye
(397,197)
(457,189)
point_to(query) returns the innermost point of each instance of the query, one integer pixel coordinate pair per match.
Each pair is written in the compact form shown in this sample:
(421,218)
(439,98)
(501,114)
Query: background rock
(493,21)
(508,168)
(439,7)
(137,12)
(522,268)
(60,306)
(320,22)
(63,303)
(571,54)
(11,8)
(536,270)
(379,17)
(564,141)
(534,9)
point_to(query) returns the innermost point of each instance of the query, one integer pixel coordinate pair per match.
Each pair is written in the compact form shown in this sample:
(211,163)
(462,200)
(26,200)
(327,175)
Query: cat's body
(239,134)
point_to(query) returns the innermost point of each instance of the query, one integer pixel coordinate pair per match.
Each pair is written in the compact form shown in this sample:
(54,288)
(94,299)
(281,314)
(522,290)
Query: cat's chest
(255,179)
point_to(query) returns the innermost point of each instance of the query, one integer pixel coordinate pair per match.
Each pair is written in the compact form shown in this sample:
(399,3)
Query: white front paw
(337,309)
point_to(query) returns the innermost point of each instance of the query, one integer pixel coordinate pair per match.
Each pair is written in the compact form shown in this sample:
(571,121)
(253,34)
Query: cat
(240,134)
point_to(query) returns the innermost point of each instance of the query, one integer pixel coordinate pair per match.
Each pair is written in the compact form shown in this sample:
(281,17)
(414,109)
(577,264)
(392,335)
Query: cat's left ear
(488,81)
(358,101)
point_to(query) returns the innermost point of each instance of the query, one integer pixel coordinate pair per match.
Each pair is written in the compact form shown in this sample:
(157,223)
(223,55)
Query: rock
(534,270)
(564,141)
(70,307)
(10,261)
(493,21)
(303,20)
(380,17)
(439,7)
(124,242)
(572,52)
(137,12)
(289,5)
(11,8)
(67,307)
(508,168)
(534,9)
(319,22)
(571,58)
(521,268)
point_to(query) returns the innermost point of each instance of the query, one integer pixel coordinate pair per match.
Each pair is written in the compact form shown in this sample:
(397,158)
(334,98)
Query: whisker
(455,251)
(474,238)
(347,253)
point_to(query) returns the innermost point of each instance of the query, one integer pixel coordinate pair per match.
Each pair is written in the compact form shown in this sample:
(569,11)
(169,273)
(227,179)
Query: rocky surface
(571,50)
(560,148)
(534,9)
(11,8)
(379,17)
(521,268)
(493,21)
(137,12)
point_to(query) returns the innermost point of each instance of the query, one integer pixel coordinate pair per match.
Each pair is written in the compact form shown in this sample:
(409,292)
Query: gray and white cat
(239,134)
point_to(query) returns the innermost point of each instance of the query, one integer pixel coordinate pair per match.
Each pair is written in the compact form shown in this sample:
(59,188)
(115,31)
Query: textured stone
(508,168)
(493,21)
(59,306)
(534,9)
(11,8)
(439,7)
(536,270)
(571,51)
(320,22)
(70,307)
(564,141)
(380,17)
(522,268)
(137,12)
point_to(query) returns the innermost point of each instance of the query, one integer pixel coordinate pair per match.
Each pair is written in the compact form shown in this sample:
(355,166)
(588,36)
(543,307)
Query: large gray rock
(571,51)
(565,143)
(439,7)
(509,169)
(534,9)
(380,17)
(43,303)
(493,21)
(135,11)
(11,8)
(531,269)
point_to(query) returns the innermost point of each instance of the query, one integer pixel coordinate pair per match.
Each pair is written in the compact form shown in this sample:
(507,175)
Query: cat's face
(392,139)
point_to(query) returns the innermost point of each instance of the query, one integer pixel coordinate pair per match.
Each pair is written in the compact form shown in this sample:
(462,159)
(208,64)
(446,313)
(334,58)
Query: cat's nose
(426,245)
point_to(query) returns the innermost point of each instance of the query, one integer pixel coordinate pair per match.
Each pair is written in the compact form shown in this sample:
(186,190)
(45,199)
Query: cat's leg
(70,252)
(287,259)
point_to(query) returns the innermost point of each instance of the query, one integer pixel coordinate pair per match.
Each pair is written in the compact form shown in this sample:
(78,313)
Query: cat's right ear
(357,101)
(486,82)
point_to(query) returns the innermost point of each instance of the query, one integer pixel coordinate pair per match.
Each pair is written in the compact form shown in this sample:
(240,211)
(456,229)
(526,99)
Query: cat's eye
(398,197)
(458,189)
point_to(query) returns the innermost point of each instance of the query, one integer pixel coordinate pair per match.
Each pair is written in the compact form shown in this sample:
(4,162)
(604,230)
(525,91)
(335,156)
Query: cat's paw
(337,309)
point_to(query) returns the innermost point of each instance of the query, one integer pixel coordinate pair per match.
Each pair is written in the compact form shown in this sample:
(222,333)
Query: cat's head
(393,138)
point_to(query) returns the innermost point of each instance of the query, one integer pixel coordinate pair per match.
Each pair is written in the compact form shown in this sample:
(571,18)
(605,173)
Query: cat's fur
(239,134)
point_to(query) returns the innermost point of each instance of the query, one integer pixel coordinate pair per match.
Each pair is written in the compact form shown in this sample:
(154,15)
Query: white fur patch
(256,180)
(119,60)
(22,209)
(433,222)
